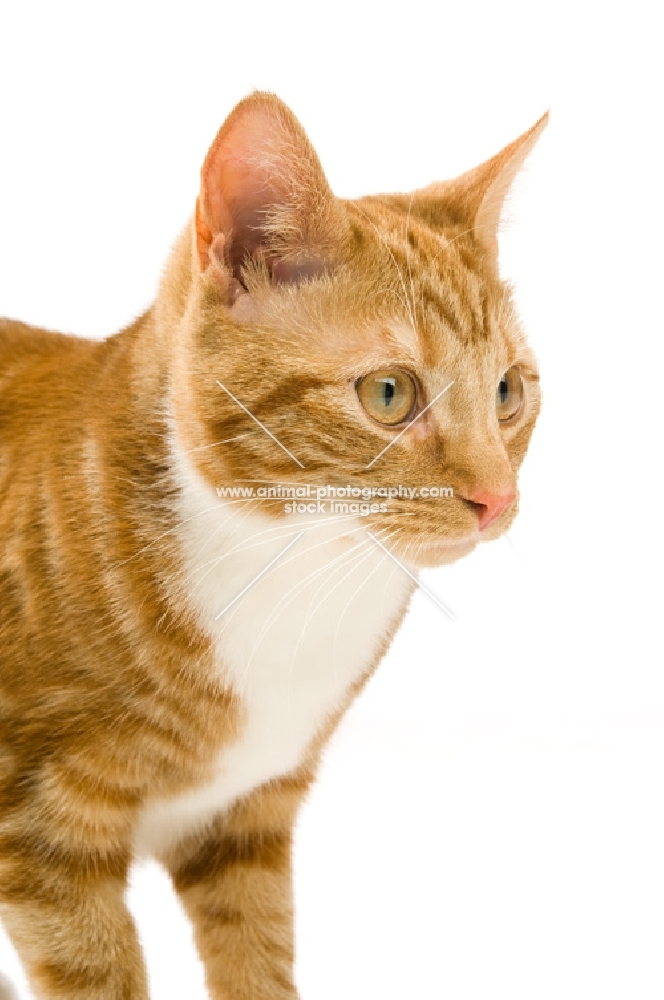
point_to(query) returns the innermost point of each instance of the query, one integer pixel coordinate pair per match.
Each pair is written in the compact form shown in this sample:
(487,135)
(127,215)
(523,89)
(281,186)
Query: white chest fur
(290,646)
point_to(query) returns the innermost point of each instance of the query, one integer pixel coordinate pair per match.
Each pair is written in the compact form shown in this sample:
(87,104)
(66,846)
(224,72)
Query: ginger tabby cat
(172,660)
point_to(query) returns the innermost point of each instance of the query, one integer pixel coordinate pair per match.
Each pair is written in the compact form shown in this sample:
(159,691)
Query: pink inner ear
(264,196)
(243,177)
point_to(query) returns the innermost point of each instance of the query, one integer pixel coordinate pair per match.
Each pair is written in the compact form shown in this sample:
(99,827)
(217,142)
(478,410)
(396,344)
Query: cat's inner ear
(264,198)
(477,197)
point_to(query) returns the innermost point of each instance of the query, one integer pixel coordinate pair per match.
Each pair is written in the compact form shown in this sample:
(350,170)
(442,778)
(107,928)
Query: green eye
(387,395)
(509,394)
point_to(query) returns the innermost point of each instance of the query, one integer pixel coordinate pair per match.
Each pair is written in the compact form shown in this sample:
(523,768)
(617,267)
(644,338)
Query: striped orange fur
(137,715)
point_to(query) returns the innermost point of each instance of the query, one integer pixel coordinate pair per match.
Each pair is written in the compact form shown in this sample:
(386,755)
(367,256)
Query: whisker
(513,547)
(310,614)
(215,444)
(502,303)
(300,551)
(291,594)
(359,560)
(277,531)
(352,598)
(448,244)
(303,550)
(179,591)
(159,538)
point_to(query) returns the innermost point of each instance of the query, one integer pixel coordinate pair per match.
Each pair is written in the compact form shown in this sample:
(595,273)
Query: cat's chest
(301,634)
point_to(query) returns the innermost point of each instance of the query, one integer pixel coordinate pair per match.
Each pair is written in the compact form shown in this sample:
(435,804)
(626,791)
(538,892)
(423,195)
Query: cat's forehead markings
(376,344)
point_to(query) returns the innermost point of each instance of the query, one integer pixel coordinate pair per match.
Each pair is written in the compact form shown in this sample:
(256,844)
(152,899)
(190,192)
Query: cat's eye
(388,395)
(509,394)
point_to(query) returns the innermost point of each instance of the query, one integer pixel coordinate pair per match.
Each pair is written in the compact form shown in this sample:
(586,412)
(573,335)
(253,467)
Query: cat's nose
(490,505)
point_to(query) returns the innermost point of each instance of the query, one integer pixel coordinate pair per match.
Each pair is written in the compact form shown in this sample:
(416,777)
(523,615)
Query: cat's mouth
(441,551)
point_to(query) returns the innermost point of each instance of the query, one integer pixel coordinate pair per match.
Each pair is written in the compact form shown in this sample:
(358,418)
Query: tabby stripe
(264,850)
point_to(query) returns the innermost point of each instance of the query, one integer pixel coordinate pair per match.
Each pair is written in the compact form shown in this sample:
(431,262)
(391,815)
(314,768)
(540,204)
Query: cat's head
(367,344)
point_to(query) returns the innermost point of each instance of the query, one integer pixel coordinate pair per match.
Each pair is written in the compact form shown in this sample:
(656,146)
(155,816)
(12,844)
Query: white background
(489,819)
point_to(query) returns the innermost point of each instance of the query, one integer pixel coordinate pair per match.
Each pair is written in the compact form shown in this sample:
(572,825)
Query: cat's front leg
(236,886)
(66,916)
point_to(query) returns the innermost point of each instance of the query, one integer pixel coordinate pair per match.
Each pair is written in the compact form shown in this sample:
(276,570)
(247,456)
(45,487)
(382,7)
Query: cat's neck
(176,286)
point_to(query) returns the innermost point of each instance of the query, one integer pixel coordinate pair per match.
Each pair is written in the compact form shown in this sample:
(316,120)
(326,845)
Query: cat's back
(46,397)
(42,415)
(36,367)
(18,339)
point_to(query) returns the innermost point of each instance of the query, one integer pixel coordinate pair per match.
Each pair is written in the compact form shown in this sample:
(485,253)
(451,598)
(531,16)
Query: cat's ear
(264,197)
(478,196)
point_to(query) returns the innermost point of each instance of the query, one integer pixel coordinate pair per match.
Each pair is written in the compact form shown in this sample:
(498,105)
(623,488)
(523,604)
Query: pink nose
(490,505)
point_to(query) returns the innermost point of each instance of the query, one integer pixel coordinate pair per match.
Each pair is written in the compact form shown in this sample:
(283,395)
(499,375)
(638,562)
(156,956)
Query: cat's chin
(441,552)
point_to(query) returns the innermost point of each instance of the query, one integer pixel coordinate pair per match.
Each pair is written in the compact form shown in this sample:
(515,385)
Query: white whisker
(349,602)
(293,592)
(357,562)
(215,444)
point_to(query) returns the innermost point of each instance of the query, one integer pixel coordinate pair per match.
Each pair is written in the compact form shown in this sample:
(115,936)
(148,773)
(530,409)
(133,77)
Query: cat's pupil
(388,391)
(503,390)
